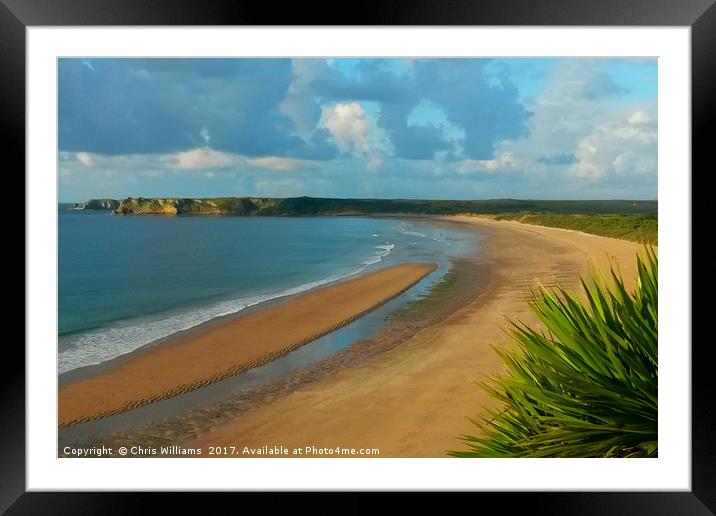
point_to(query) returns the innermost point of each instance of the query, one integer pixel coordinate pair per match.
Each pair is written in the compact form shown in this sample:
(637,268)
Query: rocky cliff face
(97,204)
(174,206)
(142,206)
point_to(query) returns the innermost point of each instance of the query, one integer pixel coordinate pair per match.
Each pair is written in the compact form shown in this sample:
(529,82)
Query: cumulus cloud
(354,131)
(197,159)
(84,158)
(578,131)
(620,147)
(349,125)
(281,164)
(481,107)
(504,161)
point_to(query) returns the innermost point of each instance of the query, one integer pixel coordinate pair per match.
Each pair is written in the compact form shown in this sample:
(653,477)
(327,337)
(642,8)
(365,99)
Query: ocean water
(125,282)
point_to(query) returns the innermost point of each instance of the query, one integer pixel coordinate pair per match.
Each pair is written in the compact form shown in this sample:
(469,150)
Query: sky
(529,128)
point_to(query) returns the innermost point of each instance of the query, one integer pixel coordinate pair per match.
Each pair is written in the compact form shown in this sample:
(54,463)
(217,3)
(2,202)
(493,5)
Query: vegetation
(635,227)
(420,308)
(585,387)
(321,206)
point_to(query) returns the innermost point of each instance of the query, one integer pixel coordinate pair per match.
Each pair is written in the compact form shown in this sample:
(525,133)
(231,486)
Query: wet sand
(413,399)
(158,428)
(236,345)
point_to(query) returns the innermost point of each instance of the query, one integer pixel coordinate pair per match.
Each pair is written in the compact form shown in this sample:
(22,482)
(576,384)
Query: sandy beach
(413,400)
(236,345)
(406,391)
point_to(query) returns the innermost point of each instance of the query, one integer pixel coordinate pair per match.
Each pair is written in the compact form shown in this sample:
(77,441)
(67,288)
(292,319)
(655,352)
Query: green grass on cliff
(220,205)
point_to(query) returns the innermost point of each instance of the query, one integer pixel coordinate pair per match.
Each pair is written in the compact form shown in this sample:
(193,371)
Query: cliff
(175,206)
(97,204)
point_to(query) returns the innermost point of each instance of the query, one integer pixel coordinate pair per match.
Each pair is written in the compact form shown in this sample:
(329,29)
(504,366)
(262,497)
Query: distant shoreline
(260,206)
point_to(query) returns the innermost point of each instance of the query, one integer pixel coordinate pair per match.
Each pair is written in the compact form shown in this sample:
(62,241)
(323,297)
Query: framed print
(417,253)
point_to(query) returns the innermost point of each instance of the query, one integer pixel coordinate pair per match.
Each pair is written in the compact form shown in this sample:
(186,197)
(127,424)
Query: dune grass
(586,386)
(637,227)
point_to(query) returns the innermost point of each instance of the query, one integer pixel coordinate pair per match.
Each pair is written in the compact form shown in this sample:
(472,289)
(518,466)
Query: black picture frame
(700,15)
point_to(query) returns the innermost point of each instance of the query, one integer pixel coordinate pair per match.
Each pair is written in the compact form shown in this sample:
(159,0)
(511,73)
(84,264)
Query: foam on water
(172,274)
(99,345)
(378,257)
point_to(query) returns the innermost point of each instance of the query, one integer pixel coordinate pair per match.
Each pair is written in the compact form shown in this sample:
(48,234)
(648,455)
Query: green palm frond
(586,386)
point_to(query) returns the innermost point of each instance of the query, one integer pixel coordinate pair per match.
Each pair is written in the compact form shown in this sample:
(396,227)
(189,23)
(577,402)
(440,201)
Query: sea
(129,281)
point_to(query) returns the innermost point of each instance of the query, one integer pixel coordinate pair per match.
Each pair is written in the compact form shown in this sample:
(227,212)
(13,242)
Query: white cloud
(281,164)
(201,159)
(563,113)
(84,158)
(621,147)
(580,113)
(641,118)
(504,161)
(355,131)
(197,159)
(349,125)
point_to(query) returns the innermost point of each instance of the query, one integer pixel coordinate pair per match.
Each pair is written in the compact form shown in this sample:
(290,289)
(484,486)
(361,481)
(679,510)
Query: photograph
(416,249)
(357,257)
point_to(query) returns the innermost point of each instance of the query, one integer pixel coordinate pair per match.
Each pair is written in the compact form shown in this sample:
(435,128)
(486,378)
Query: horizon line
(357,198)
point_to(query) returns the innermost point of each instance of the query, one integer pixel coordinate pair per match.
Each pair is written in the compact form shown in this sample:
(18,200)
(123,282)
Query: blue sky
(391,128)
